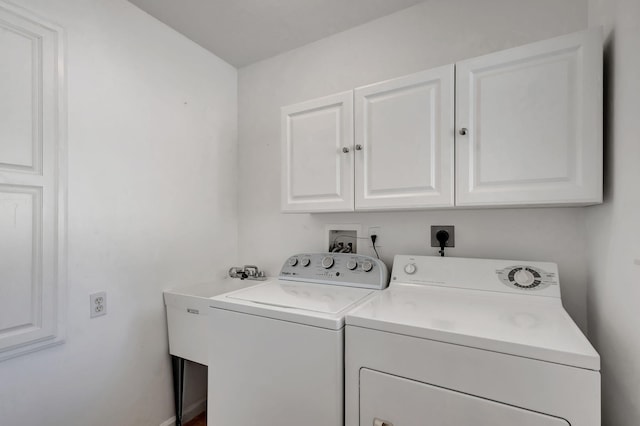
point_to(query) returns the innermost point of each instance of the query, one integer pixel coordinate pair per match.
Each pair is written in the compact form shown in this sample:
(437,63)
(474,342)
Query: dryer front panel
(387,400)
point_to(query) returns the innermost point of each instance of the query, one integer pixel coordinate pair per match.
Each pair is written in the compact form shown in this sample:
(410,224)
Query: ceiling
(245,31)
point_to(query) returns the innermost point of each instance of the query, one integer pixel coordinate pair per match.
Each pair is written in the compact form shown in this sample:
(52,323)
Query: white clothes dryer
(279,346)
(462,342)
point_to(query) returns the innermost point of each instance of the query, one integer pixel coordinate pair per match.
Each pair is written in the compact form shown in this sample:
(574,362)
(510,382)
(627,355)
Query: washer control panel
(345,269)
(526,277)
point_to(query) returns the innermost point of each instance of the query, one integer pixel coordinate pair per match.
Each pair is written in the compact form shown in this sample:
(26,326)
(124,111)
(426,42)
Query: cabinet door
(387,400)
(317,157)
(533,120)
(405,142)
(32,200)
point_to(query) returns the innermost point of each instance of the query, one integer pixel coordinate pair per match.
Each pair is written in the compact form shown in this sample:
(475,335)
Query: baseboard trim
(189,413)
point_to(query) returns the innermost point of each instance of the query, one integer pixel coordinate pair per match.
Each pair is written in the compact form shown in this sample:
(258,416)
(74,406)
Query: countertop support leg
(178,386)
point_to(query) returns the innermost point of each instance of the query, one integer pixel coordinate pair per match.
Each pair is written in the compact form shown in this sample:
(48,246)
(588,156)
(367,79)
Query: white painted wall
(433,33)
(152,152)
(152,204)
(614,227)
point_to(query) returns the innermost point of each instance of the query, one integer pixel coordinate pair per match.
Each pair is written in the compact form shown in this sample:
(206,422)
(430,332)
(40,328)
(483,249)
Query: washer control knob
(410,268)
(327,262)
(305,261)
(293,261)
(352,264)
(367,266)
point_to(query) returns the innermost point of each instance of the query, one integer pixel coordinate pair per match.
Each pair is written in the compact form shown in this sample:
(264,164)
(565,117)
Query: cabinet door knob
(345,150)
(463,131)
(380,422)
(358,147)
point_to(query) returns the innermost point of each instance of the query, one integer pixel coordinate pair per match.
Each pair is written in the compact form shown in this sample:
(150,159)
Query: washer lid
(313,304)
(531,327)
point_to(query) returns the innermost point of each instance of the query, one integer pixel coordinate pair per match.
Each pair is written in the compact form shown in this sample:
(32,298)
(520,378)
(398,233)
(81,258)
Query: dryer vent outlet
(343,241)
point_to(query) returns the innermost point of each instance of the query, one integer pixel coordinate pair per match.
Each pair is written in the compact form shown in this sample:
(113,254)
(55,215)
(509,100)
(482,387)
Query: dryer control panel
(505,276)
(345,269)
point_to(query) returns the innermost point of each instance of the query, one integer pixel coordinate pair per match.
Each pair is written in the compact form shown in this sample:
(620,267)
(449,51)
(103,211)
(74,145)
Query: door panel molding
(32,184)
(404,128)
(317,155)
(533,120)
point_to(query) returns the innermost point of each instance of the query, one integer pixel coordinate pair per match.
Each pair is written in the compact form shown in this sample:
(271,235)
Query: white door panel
(18,212)
(313,132)
(317,173)
(533,116)
(32,262)
(387,400)
(18,73)
(404,142)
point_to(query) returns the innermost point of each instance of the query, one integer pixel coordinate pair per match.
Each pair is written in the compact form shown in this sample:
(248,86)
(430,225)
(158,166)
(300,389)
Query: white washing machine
(461,342)
(279,346)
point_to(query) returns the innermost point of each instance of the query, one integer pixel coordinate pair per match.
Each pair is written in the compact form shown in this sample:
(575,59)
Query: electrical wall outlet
(98,304)
(451,242)
(374,230)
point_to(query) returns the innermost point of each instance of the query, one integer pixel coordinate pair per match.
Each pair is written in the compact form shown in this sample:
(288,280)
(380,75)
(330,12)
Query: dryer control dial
(293,261)
(352,264)
(367,266)
(305,261)
(526,277)
(327,262)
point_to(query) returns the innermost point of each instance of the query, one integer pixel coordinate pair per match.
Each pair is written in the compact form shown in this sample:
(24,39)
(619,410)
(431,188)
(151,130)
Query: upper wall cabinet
(32,196)
(527,131)
(404,142)
(529,124)
(317,157)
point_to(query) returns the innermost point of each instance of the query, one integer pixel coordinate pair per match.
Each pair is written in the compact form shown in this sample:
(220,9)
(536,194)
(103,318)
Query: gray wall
(614,228)
(433,33)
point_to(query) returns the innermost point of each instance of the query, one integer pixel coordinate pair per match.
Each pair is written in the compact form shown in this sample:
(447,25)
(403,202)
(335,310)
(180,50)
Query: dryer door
(387,400)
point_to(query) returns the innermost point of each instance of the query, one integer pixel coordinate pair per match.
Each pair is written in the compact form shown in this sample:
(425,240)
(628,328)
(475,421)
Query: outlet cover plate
(97,304)
(452,236)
